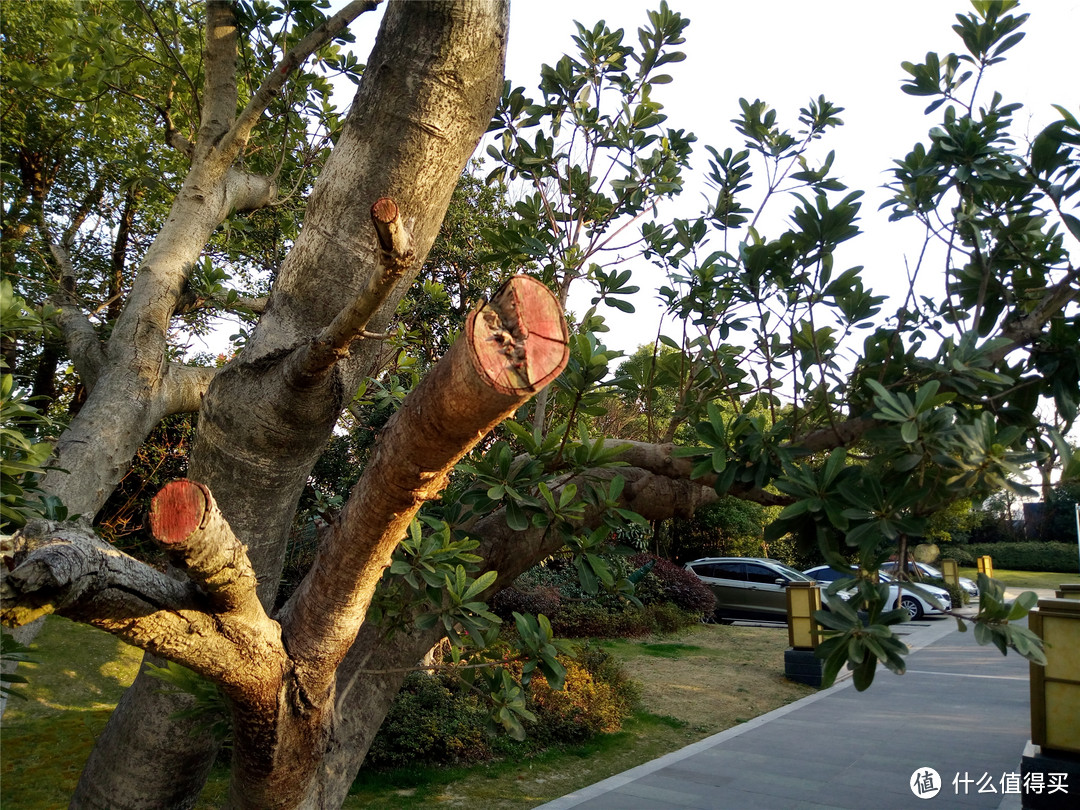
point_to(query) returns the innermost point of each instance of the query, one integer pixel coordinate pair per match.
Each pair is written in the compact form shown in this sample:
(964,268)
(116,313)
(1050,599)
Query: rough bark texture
(129,394)
(280,679)
(471,390)
(427,96)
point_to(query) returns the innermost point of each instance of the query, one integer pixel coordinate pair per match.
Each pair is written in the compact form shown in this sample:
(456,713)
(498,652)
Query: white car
(930,571)
(913,603)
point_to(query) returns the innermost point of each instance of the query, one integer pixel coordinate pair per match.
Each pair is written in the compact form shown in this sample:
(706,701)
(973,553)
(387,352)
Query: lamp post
(1055,701)
(804,634)
(950,572)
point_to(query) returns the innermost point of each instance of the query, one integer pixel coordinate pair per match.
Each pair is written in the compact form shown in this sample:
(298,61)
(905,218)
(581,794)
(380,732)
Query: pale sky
(786,52)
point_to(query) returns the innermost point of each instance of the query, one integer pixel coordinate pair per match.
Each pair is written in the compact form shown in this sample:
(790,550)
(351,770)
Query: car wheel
(912,606)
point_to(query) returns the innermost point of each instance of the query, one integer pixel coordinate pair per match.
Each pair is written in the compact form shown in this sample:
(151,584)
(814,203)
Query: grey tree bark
(426,98)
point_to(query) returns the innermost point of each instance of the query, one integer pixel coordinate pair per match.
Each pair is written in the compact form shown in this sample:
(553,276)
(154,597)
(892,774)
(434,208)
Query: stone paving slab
(960,709)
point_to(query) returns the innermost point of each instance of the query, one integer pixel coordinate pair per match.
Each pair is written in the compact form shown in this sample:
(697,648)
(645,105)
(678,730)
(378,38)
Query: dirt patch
(719,677)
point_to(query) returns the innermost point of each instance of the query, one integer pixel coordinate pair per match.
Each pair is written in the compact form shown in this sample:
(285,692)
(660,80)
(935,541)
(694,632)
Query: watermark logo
(925,783)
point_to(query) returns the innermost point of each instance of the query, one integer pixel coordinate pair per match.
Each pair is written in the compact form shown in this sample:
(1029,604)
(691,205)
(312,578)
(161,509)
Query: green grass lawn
(1026,579)
(72,690)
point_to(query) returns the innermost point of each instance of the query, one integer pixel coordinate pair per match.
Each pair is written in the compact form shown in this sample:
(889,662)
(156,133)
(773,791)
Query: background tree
(858,456)
(1059,524)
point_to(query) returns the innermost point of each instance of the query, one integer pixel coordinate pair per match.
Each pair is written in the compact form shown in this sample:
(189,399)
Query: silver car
(915,605)
(751,588)
(930,571)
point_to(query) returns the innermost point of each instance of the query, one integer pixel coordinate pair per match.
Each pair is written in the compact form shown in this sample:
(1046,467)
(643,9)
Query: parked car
(747,587)
(930,571)
(913,603)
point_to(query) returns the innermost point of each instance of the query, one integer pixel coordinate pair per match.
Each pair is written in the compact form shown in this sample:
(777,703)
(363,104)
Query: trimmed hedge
(1018,556)
(597,620)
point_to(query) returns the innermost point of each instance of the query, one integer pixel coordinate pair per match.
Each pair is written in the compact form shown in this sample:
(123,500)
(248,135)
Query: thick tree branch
(237,137)
(212,623)
(68,571)
(366,679)
(247,192)
(63,569)
(1027,329)
(82,342)
(219,96)
(187,523)
(184,387)
(842,434)
(83,346)
(426,98)
(511,348)
(658,459)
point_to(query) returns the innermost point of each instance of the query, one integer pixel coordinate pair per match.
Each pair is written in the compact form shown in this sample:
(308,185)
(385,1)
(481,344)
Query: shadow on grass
(80,674)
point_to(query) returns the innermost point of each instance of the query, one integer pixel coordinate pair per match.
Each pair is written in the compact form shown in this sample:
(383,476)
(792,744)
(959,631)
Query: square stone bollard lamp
(950,572)
(804,634)
(1053,756)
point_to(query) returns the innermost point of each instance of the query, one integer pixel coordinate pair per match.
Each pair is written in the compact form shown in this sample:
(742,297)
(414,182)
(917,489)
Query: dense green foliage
(87,93)
(1029,556)
(24,427)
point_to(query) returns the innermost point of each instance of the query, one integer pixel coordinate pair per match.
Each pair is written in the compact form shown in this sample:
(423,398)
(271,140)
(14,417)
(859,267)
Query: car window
(702,569)
(791,573)
(761,573)
(721,570)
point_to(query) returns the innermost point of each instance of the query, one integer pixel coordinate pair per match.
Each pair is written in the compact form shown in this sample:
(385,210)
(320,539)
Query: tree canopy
(176,163)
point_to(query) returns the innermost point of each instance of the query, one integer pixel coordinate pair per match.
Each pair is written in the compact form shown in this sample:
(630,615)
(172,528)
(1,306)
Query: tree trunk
(427,95)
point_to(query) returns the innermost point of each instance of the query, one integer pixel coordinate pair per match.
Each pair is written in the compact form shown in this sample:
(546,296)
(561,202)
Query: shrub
(583,708)
(1030,556)
(961,554)
(533,600)
(436,720)
(668,582)
(606,668)
(433,721)
(957,594)
(668,617)
(672,599)
(596,620)
(591,620)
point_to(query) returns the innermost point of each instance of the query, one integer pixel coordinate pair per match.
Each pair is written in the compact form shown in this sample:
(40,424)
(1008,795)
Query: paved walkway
(960,709)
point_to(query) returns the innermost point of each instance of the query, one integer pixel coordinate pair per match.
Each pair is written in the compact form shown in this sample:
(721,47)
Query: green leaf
(1073,224)
(480,584)
(516,518)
